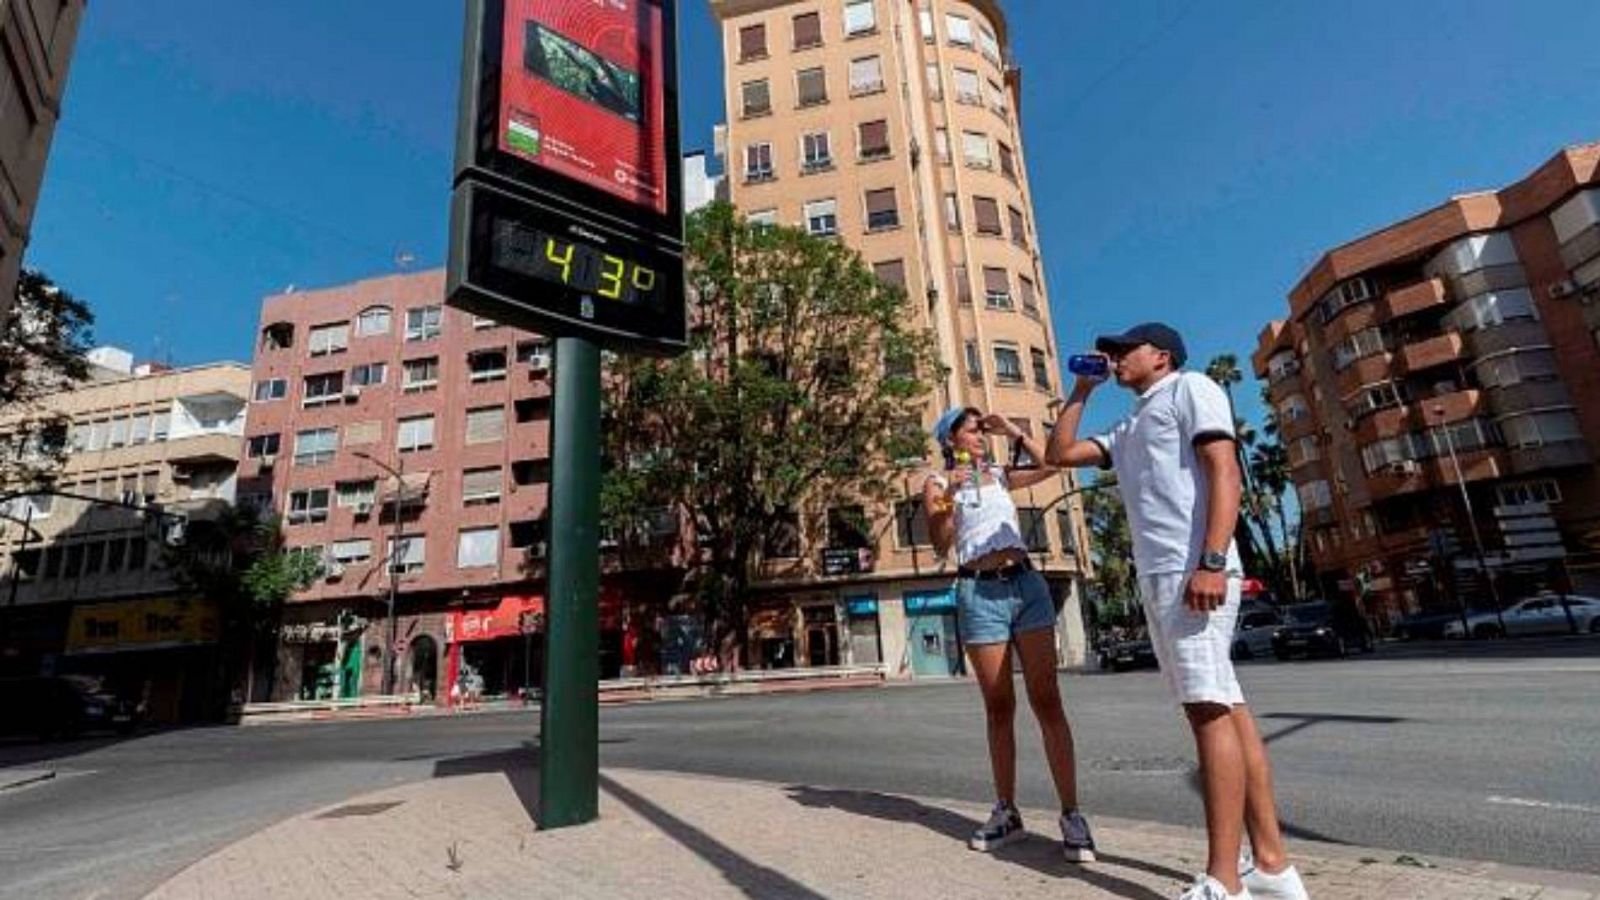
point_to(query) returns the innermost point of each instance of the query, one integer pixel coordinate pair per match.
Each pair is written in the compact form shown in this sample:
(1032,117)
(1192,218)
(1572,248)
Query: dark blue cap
(1155,334)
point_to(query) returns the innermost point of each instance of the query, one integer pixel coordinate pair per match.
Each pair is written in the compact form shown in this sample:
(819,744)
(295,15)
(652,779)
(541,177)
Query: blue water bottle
(1089,365)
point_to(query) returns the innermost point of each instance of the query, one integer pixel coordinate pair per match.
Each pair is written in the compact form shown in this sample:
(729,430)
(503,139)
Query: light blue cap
(941,428)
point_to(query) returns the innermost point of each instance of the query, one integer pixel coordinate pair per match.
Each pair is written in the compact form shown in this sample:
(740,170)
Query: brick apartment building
(894,127)
(1473,327)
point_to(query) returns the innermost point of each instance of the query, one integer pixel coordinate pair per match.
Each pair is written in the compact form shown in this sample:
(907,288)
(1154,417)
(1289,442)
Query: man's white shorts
(1192,648)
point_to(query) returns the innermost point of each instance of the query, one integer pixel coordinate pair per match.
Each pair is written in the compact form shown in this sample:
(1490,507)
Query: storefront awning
(150,624)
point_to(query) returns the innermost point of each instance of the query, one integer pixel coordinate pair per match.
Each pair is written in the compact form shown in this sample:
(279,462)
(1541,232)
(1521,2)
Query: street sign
(567,211)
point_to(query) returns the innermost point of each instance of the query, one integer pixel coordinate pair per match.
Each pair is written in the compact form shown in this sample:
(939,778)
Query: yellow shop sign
(142,625)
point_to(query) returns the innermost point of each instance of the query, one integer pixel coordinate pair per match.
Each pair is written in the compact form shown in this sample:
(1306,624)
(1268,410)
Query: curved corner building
(894,126)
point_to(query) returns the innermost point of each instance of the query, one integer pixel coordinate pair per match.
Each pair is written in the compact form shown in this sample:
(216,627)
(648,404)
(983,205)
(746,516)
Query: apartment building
(89,591)
(36,41)
(895,127)
(1458,347)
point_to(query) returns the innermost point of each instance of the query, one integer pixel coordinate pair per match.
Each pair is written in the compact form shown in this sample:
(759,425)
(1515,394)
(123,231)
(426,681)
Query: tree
(1111,545)
(804,384)
(1224,370)
(42,351)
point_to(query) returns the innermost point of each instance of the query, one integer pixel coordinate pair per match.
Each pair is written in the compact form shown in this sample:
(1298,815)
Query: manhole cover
(1143,765)
(351,810)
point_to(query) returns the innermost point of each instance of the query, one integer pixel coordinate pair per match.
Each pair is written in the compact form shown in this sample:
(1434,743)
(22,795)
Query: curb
(24,778)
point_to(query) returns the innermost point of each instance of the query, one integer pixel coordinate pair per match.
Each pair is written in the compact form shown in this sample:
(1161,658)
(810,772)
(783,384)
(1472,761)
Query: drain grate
(354,810)
(1143,765)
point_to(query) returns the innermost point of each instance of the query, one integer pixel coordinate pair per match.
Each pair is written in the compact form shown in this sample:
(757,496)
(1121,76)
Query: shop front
(158,652)
(496,651)
(321,659)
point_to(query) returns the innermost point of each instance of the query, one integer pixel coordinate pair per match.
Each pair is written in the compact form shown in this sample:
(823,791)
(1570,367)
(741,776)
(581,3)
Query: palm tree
(1224,370)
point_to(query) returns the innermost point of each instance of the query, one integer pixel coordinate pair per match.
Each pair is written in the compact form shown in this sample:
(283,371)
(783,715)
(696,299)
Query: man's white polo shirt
(1163,487)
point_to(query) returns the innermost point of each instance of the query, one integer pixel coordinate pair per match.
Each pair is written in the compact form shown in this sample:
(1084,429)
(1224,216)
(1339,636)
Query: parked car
(1319,629)
(1424,626)
(1540,614)
(1120,656)
(61,706)
(1253,638)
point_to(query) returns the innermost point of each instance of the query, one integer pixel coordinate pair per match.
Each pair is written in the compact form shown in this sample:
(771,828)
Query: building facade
(894,127)
(89,590)
(36,41)
(1456,347)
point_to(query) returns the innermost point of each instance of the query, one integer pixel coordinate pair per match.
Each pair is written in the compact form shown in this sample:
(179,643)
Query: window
(326,339)
(968,88)
(997,98)
(1035,531)
(271,389)
(309,505)
(990,46)
(874,139)
(373,320)
(140,431)
(882,213)
(487,365)
(859,17)
(925,24)
(986,213)
(1293,408)
(1304,450)
(351,494)
(935,83)
(866,75)
(160,426)
(764,218)
(1543,491)
(811,86)
(532,409)
(975,150)
(421,374)
(822,219)
(409,555)
(1069,537)
(952,212)
(1019,229)
(782,540)
(415,433)
(535,353)
(758,162)
(996,288)
(847,528)
(1041,369)
(958,274)
(752,42)
(757,98)
(481,485)
(1008,161)
(277,336)
(529,534)
(350,552)
(94,557)
(1540,428)
(315,446)
(1342,295)
(424,323)
(486,424)
(1314,495)
(974,363)
(261,445)
(1363,343)
(368,374)
(1030,296)
(477,548)
(324,388)
(1007,364)
(958,29)
(119,433)
(807,31)
(892,272)
(941,144)
(1491,309)
(911,524)
(531,471)
(1517,366)
(816,152)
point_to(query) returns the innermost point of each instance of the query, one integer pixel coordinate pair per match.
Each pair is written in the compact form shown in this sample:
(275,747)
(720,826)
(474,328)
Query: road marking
(1544,804)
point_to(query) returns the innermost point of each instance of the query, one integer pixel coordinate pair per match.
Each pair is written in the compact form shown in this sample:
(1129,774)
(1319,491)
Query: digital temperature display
(573,264)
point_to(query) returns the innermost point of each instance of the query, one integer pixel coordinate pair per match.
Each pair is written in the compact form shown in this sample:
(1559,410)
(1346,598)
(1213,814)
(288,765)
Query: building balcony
(1516,335)
(1397,479)
(205,448)
(1284,385)
(1422,355)
(1292,429)
(1364,371)
(1406,539)
(1476,465)
(1527,396)
(1420,297)
(1562,455)
(1385,423)
(1351,319)
(1454,406)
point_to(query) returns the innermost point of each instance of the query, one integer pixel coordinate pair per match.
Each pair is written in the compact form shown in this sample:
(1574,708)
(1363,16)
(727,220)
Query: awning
(149,624)
(415,489)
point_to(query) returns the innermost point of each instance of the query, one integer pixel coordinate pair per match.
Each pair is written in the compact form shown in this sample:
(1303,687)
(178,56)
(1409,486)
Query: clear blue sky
(1190,160)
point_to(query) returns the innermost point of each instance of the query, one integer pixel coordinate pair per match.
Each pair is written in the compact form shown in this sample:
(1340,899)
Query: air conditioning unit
(363,509)
(268,461)
(539,363)
(352,393)
(1404,467)
(334,571)
(538,550)
(1562,288)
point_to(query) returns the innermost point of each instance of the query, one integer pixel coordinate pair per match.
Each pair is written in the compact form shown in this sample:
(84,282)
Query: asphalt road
(1482,752)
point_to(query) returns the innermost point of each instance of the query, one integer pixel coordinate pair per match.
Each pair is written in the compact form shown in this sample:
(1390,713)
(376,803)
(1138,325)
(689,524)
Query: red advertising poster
(582,93)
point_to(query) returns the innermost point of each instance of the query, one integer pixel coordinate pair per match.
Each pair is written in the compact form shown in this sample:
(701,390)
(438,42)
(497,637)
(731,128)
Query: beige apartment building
(87,590)
(894,127)
(36,40)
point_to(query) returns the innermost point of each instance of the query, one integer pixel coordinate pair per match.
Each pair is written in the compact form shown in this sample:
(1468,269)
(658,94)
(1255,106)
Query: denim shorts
(993,611)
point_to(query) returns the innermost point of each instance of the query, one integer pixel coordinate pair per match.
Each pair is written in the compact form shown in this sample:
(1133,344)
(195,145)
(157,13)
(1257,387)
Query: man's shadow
(1036,852)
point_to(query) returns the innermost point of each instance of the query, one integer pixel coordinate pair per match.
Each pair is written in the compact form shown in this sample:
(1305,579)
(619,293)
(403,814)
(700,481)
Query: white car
(1542,614)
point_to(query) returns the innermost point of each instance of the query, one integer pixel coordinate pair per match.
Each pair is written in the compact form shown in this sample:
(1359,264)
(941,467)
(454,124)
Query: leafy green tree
(1111,547)
(805,383)
(43,343)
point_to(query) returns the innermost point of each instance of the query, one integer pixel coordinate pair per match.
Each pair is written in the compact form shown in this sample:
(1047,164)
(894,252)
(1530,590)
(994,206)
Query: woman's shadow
(1036,852)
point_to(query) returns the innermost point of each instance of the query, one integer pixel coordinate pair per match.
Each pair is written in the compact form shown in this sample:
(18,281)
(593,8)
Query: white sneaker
(1207,888)
(1285,885)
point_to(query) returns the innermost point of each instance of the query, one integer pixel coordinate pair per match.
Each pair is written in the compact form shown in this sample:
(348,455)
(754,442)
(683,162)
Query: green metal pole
(569,767)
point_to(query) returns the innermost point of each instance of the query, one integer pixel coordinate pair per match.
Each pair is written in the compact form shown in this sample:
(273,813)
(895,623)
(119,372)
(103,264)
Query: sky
(1190,159)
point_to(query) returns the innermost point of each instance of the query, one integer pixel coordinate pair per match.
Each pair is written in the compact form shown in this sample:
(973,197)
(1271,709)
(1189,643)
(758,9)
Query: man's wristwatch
(1212,561)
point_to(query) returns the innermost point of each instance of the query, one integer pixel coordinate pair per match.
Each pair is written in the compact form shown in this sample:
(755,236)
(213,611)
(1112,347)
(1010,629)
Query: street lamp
(1472,522)
(399,476)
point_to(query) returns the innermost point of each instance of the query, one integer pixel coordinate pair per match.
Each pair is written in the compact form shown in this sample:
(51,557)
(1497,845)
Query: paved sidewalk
(468,833)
